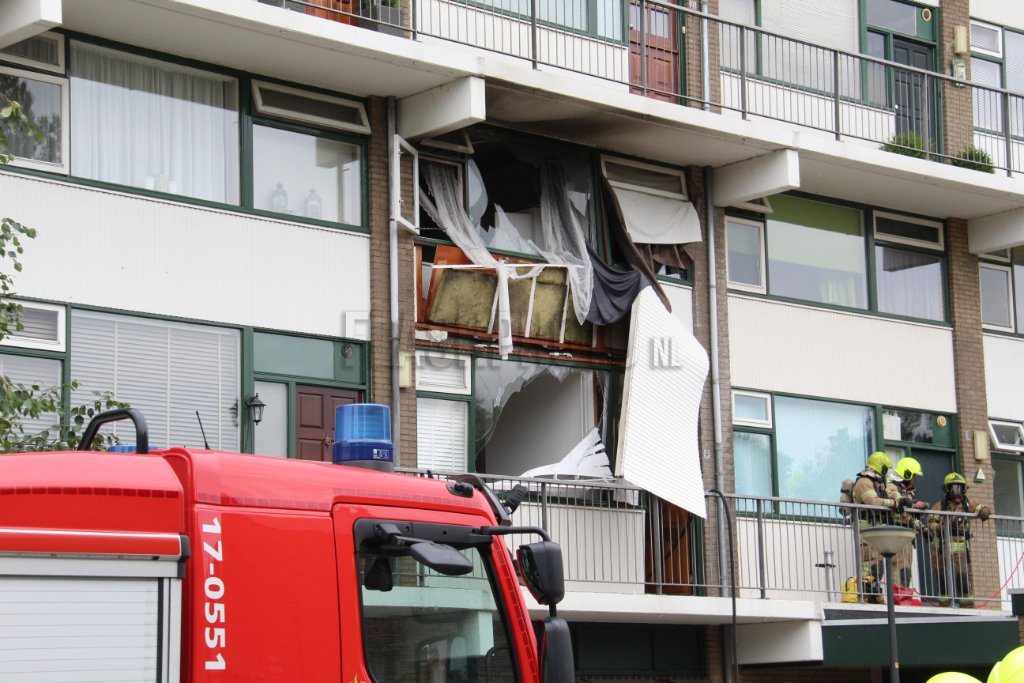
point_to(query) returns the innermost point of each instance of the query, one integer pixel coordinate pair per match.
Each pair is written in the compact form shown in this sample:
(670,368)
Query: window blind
(165,369)
(28,371)
(441,434)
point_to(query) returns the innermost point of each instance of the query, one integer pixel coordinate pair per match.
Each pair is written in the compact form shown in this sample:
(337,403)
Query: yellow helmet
(879,462)
(1009,669)
(908,468)
(952,677)
(954,478)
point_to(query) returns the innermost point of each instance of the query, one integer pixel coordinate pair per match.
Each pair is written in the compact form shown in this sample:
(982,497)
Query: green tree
(20,403)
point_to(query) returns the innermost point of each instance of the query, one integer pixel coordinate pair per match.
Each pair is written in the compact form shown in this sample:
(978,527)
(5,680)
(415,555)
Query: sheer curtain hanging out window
(150,124)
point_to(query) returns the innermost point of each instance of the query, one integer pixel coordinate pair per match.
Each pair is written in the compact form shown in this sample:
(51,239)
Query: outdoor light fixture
(889,540)
(255,406)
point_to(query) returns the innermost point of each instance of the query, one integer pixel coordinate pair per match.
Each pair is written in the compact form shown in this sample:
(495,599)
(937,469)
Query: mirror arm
(503,530)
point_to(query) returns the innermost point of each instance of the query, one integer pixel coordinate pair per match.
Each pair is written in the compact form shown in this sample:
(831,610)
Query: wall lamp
(255,406)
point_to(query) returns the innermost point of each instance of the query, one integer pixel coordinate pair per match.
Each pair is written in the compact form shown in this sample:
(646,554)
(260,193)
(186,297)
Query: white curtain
(149,124)
(564,241)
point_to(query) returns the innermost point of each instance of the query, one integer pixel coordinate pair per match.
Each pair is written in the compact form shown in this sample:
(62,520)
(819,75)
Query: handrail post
(643,46)
(927,122)
(743,71)
(544,506)
(947,555)
(836,103)
(858,551)
(1007,137)
(657,550)
(762,573)
(533,32)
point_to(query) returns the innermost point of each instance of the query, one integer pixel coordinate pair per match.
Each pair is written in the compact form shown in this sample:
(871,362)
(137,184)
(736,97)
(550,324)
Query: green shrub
(908,144)
(974,158)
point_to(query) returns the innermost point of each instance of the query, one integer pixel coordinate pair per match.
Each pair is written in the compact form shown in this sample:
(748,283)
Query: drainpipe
(396,411)
(704,58)
(725,569)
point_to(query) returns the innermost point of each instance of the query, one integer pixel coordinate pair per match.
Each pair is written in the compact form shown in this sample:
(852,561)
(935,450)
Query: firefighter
(958,551)
(1009,669)
(902,484)
(871,489)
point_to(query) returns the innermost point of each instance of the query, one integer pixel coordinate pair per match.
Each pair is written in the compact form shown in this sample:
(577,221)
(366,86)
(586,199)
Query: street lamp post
(889,540)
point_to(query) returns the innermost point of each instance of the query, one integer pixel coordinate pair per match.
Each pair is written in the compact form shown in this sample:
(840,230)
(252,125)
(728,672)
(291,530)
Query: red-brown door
(661,47)
(314,415)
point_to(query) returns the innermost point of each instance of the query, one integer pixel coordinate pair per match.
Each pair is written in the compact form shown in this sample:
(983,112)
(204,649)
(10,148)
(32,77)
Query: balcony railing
(664,50)
(620,539)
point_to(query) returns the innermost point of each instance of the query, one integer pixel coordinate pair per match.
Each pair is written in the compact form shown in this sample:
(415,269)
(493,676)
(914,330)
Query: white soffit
(995,232)
(23,19)
(761,176)
(442,109)
(665,372)
(779,642)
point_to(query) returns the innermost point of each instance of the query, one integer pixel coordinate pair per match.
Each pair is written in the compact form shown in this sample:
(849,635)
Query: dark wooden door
(654,38)
(913,93)
(314,419)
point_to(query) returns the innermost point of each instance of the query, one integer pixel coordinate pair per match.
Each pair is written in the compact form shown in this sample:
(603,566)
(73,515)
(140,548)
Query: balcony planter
(384,16)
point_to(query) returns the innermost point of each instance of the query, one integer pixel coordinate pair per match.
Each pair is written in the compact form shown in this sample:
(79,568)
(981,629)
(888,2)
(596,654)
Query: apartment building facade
(731,246)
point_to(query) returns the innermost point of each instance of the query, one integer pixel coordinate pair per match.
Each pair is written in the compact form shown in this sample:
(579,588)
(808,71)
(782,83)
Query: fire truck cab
(193,565)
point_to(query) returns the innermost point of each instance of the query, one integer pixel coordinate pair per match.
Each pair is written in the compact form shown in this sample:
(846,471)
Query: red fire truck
(197,565)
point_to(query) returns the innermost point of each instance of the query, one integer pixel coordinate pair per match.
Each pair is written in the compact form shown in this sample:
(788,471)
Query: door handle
(328,441)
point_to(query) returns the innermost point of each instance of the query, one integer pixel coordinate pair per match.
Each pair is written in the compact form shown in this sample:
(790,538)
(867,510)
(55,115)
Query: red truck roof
(130,492)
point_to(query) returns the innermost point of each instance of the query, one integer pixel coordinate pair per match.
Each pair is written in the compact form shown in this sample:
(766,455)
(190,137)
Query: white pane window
(1007,436)
(910,283)
(893,15)
(1007,486)
(305,175)
(448,373)
(820,443)
(153,125)
(816,252)
(169,371)
(310,107)
(441,434)
(652,201)
(908,230)
(753,466)
(42,328)
(988,107)
(44,51)
(271,435)
(752,409)
(986,38)
(996,309)
(44,100)
(29,371)
(745,260)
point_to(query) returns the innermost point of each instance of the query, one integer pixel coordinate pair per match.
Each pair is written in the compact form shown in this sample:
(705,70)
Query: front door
(654,51)
(913,99)
(314,420)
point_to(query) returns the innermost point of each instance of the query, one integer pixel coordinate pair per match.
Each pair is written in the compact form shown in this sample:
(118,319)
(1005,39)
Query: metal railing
(660,52)
(621,539)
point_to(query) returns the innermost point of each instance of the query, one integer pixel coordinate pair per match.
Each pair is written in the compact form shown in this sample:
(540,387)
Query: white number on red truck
(215,637)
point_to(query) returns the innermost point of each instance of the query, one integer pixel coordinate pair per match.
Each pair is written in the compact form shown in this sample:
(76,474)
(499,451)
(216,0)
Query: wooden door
(314,420)
(654,42)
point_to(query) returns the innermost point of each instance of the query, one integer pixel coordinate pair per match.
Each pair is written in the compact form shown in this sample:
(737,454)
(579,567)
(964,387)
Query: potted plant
(909,144)
(382,15)
(974,158)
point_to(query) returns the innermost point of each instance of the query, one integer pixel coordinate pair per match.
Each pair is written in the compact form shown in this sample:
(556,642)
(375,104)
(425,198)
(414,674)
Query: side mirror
(556,651)
(541,567)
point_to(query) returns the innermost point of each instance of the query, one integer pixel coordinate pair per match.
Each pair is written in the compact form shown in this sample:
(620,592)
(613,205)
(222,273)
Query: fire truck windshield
(421,625)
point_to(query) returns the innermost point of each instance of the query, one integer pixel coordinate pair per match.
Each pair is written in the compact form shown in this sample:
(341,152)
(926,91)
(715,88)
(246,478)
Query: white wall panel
(790,348)
(999,12)
(1004,376)
(108,249)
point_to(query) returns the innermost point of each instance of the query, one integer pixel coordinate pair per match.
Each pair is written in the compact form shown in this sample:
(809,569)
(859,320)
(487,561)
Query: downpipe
(724,531)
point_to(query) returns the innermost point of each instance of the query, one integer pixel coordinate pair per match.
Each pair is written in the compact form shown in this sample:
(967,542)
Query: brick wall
(380,283)
(958,115)
(972,406)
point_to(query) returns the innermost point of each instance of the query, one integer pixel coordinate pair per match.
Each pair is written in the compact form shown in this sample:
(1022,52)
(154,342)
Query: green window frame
(351,131)
(1002,291)
(875,272)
